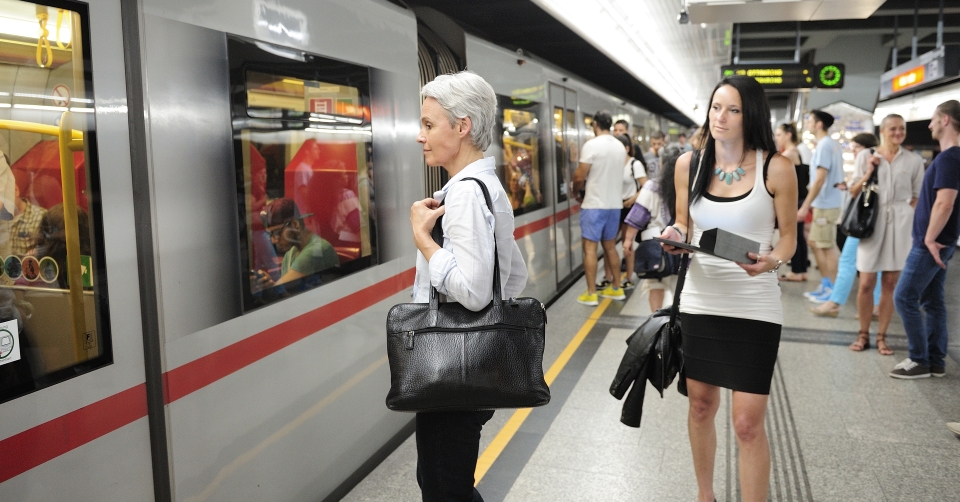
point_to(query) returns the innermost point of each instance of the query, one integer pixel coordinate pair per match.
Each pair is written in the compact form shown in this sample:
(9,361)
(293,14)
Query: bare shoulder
(780,166)
(683,163)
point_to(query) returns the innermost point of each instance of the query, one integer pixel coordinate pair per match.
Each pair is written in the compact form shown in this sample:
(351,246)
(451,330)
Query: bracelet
(777,267)
(683,238)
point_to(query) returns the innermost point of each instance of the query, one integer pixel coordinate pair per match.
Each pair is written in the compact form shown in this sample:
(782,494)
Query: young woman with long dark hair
(731,312)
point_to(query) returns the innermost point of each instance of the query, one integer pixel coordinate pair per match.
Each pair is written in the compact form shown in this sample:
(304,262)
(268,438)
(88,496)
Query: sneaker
(823,297)
(938,371)
(910,370)
(588,299)
(613,293)
(818,291)
(954,427)
(903,364)
(603,285)
(628,285)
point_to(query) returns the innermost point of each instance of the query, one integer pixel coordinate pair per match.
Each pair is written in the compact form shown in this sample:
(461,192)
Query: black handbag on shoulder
(445,357)
(860,216)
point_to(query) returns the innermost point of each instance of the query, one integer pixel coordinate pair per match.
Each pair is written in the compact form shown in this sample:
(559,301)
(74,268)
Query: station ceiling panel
(758,11)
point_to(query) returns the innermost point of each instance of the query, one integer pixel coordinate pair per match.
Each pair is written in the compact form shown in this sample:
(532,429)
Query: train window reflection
(303,148)
(53,297)
(519,161)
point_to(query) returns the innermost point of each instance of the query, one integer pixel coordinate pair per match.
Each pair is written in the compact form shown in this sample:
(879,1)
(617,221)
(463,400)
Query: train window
(53,289)
(519,163)
(303,151)
(560,154)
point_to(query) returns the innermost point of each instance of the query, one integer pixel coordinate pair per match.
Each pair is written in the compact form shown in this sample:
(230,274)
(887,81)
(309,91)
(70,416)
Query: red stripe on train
(24,451)
(49,440)
(201,372)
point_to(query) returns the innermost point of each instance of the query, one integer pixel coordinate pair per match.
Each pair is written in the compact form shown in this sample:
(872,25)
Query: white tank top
(719,287)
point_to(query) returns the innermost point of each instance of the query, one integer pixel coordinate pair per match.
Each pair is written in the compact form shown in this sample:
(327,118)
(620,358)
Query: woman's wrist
(683,236)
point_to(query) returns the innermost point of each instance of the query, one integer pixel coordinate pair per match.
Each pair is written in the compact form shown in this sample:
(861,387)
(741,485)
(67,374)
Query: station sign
(927,69)
(790,76)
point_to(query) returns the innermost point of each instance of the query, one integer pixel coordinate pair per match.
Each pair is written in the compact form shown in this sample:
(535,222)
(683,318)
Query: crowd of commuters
(738,175)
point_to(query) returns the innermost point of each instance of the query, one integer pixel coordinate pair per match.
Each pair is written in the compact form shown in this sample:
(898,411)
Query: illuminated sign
(925,70)
(790,76)
(908,79)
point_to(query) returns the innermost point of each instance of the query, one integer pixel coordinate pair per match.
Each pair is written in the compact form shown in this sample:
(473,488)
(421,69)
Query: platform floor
(840,429)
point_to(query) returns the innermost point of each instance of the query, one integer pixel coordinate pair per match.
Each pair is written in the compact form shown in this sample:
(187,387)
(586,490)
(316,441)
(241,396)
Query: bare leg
(656,299)
(868,280)
(888,281)
(628,255)
(830,258)
(590,265)
(704,403)
(749,411)
(611,258)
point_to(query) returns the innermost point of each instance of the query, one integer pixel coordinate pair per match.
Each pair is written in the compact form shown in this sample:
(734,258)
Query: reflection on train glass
(519,165)
(53,308)
(303,146)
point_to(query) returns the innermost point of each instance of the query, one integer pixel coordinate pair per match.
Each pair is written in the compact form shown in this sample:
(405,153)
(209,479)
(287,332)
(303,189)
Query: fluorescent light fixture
(4,105)
(41,107)
(918,106)
(81,110)
(681,63)
(44,96)
(30,28)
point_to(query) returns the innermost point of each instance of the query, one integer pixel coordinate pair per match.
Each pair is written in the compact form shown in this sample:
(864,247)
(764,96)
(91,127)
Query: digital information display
(790,76)
(927,69)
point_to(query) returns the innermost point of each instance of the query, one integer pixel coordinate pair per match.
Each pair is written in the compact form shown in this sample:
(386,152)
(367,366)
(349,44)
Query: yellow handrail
(68,139)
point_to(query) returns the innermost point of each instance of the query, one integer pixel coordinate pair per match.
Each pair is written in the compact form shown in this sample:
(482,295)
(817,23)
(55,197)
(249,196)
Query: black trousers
(448,443)
(800,262)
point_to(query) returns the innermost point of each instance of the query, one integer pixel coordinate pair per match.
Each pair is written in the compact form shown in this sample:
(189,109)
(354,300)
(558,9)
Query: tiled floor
(840,428)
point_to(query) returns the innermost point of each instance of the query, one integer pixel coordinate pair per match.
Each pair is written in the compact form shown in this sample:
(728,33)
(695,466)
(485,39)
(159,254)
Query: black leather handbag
(445,357)
(860,216)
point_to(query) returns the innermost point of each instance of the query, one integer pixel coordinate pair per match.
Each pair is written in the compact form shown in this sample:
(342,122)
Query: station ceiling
(776,41)
(522,24)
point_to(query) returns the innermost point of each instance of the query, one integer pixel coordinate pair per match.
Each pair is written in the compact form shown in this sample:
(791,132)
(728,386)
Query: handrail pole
(72,232)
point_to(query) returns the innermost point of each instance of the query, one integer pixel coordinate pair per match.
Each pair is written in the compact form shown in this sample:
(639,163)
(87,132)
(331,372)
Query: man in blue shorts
(601,168)
(936,228)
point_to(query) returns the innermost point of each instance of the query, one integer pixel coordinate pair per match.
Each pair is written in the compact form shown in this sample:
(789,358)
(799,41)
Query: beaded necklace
(736,174)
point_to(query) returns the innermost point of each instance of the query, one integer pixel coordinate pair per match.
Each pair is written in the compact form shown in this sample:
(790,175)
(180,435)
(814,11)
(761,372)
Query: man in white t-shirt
(601,168)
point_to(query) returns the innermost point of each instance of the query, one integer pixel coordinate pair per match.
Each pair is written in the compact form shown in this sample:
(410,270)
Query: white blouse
(463,269)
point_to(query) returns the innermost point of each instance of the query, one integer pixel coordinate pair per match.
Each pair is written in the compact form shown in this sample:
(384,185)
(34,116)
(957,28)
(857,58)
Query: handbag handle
(437,234)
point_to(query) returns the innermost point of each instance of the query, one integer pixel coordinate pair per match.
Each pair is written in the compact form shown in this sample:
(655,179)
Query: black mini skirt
(730,352)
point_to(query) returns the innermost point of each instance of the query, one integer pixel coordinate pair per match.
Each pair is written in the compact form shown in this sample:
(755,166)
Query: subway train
(204,223)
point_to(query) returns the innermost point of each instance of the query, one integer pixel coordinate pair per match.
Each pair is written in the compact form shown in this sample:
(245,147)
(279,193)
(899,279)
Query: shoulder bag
(445,357)
(860,216)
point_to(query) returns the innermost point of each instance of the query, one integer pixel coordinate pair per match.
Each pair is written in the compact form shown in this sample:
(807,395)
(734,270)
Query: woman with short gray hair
(456,125)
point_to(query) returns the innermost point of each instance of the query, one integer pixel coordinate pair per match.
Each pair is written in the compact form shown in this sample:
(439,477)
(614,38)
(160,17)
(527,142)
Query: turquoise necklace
(729,178)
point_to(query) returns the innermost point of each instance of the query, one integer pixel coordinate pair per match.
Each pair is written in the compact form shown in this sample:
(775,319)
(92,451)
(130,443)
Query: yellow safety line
(489,456)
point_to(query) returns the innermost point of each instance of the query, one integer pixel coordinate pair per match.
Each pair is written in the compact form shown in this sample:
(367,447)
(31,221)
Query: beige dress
(899,182)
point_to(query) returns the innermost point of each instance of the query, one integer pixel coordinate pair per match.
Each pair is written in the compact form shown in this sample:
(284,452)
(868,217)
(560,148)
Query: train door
(573,135)
(566,139)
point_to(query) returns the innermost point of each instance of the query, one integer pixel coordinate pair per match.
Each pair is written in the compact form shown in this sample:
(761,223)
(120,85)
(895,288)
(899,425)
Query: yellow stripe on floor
(489,456)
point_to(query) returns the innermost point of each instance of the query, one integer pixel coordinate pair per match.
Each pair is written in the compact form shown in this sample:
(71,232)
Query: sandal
(792,277)
(862,343)
(882,347)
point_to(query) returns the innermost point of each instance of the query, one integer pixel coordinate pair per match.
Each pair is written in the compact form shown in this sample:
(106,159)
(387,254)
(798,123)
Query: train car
(162,334)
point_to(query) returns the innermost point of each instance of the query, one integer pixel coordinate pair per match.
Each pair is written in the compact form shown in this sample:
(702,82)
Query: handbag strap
(685,259)
(437,234)
(874,180)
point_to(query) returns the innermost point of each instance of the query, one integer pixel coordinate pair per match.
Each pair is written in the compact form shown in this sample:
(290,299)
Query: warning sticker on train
(61,95)
(31,268)
(49,270)
(9,342)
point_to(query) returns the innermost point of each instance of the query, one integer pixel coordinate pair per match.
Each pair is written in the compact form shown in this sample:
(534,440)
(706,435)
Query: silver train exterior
(286,401)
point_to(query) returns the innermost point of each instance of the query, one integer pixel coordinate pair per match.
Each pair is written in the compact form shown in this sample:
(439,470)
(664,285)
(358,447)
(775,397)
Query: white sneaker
(954,427)
(903,364)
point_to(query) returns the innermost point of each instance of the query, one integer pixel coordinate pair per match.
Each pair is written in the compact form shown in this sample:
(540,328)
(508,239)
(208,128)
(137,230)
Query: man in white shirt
(601,168)
(826,172)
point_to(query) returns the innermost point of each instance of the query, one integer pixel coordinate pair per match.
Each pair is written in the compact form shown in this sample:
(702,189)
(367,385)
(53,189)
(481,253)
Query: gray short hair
(463,95)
